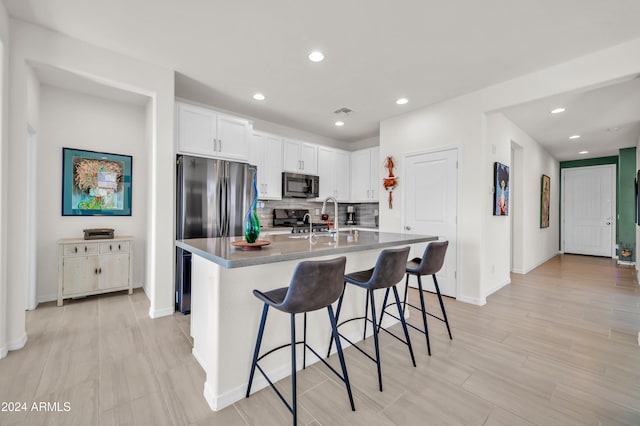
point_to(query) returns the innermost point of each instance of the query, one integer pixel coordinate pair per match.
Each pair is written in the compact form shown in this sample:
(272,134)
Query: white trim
(473,300)
(496,288)
(3,351)
(531,268)
(198,358)
(158,313)
(30,290)
(54,297)
(18,343)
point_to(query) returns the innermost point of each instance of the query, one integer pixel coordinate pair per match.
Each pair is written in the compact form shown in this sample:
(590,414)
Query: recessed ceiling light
(402,101)
(583,152)
(339,123)
(574,137)
(558,110)
(316,56)
(259,97)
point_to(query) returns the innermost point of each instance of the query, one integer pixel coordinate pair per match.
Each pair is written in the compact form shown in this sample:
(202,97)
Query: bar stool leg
(384,307)
(257,350)
(424,315)
(366,312)
(406,292)
(304,344)
(294,404)
(334,332)
(375,337)
(444,313)
(337,315)
(404,325)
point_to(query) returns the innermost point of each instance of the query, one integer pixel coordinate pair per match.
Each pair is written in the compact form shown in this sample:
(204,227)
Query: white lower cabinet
(87,267)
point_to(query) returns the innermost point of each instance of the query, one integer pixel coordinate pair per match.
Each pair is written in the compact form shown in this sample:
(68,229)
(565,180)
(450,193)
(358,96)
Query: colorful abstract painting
(500,189)
(95,183)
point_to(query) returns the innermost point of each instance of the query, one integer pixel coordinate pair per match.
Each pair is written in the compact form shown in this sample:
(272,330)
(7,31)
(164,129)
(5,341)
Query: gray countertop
(294,246)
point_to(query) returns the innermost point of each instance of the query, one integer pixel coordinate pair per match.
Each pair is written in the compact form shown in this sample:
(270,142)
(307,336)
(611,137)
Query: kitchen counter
(225,315)
(294,246)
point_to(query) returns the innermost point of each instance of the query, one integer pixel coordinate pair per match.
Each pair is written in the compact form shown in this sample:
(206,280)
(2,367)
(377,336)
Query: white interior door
(589,200)
(431,208)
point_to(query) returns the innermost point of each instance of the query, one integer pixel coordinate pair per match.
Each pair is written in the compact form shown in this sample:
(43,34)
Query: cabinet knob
(99,270)
(408,228)
(110,248)
(85,249)
(75,249)
(119,247)
(96,271)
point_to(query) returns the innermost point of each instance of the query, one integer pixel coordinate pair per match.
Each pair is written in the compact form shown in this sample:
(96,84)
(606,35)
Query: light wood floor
(559,346)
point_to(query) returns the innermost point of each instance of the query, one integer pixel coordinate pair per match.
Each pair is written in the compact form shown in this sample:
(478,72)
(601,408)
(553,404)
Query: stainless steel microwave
(300,186)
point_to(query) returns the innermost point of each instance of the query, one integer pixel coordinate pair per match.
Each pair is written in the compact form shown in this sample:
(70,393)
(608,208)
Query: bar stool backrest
(390,268)
(314,285)
(433,257)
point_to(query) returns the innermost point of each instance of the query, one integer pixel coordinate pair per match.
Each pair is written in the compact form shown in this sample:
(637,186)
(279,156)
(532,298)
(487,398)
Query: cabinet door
(327,172)
(360,176)
(80,274)
(341,175)
(196,130)
(376,180)
(309,158)
(232,138)
(273,168)
(113,271)
(256,157)
(291,156)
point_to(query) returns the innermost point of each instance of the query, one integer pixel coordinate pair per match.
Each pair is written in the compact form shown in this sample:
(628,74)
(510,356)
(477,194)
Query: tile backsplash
(365,212)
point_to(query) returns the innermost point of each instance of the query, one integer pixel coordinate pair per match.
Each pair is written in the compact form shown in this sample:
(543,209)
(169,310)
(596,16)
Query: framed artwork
(95,183)
(545,189)
(638,198)
(500,189)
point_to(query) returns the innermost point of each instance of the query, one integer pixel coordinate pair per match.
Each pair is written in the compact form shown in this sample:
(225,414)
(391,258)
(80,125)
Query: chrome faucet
(335,205)
(307,215)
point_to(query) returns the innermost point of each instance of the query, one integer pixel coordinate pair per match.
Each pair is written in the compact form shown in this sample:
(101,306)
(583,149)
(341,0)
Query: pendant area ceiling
(376,51)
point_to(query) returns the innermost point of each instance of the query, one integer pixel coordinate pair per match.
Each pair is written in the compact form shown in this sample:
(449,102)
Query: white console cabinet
(87,267)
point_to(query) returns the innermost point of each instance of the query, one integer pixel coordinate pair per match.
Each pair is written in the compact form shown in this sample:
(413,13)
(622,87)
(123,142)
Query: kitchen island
(225,315)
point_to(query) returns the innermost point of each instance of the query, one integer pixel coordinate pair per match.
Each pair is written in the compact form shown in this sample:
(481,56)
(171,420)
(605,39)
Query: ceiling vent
(343,110)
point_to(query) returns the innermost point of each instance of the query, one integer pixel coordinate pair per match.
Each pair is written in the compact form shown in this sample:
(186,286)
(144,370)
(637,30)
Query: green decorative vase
(252,222)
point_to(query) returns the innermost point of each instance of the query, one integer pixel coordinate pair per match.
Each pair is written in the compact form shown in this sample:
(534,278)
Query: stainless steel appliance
(300,186)
(351,215)
(295,218)
(213,196)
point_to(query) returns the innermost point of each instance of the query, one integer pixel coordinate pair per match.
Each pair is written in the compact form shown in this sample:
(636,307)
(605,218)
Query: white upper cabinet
(300,157)
(365,175)
(265,151)
(208,133)
(333,170)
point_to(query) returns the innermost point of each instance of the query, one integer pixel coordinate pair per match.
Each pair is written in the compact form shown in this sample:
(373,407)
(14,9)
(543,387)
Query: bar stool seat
(389,269)
(314,285)
(429,264)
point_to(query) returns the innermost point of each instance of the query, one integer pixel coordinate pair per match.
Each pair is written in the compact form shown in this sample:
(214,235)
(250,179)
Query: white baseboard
(54,297)
(473,300)
(496,288)
(3,351)
(531,268)
(164,312)
(198,358)
(18,343)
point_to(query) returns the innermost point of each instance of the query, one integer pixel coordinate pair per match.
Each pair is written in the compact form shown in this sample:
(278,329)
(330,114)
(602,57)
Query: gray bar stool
(314,285)
(389,269)
(430,263)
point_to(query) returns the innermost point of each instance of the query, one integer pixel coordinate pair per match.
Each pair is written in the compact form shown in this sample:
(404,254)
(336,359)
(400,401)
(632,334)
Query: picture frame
(500,189)
(545,200)
(95,183)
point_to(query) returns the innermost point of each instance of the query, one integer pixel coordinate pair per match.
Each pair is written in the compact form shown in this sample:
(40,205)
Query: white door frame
(614,213)
(403,211)
(30,299)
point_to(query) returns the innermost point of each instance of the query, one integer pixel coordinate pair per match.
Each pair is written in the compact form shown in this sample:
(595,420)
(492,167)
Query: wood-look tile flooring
(559,346)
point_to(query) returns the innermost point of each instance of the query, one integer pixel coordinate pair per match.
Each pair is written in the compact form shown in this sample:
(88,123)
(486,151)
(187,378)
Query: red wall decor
(390,182)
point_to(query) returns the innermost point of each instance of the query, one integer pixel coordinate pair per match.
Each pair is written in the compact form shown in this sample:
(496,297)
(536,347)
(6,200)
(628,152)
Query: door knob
(607,223)
(408,228)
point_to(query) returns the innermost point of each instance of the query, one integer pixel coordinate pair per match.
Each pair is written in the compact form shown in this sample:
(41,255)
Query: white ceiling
(376,50)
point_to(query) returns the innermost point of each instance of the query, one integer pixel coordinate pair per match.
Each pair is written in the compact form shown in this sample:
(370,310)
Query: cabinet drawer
(80,249)
(114,247)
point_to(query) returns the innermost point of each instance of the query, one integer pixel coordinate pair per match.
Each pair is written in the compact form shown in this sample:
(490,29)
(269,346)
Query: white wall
(463,122)
(638,226)
(4,161)
(74,120)
(535,245)
(34,44)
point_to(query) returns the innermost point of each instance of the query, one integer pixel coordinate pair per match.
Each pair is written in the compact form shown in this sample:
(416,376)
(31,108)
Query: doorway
(431,207)
(588,209)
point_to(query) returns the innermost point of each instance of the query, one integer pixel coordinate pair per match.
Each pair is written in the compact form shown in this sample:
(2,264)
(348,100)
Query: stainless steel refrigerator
(213,197)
